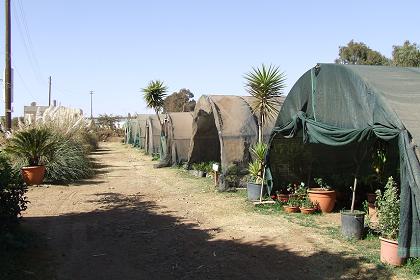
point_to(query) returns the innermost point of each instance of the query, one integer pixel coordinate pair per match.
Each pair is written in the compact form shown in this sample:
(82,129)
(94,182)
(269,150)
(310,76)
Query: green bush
(69,162)
(12,193)
(388,208)
(33,146)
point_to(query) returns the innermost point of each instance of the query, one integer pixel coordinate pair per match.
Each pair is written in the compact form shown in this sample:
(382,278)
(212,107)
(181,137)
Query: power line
(28,35)
(24,84)
(24,34)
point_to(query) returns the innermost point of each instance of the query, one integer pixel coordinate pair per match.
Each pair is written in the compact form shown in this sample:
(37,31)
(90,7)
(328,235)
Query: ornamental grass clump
(73,140)
(69,162)
(388,209)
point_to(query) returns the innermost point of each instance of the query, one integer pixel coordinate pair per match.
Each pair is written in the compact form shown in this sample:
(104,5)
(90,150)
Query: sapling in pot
(353,221)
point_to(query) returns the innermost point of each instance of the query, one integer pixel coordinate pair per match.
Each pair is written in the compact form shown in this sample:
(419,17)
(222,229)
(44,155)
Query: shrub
(388,207)
(68,163)
(12,193)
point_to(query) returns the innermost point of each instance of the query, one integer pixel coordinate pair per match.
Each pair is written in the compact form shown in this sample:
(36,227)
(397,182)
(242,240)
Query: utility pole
(49,91)
(91,111)
(8,71)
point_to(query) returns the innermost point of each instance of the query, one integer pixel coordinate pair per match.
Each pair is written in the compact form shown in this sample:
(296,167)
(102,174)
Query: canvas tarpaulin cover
(223,130)
(179,131)
(153,135)
(339,105)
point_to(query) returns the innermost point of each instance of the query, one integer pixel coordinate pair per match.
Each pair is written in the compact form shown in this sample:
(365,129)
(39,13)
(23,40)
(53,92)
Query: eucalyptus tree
(265,84)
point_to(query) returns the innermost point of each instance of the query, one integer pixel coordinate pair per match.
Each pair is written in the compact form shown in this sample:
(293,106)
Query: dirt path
(136,222)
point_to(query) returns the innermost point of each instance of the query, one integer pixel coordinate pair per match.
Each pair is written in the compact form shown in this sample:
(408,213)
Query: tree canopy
(407,55)
(181,101)
(360,53)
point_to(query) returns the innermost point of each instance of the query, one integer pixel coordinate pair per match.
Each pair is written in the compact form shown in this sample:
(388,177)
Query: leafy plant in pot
(323,196)
(292,205)
(388,207)
(33,146)
(307,206)
(256,168)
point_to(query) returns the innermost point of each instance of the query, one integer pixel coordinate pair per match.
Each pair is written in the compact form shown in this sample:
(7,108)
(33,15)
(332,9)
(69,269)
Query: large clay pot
(33,175)
(371,197)
(325,199)
(389,252)
(373,215)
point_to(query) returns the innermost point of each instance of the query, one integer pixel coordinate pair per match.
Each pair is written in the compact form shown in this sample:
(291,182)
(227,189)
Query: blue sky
(116,47)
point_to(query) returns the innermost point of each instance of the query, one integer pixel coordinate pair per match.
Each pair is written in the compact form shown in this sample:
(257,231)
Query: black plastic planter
(352,224)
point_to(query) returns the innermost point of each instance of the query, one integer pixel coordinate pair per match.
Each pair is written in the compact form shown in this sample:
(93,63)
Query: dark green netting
(340,105)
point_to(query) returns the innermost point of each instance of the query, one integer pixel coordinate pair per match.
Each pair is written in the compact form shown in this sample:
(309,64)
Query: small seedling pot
(291,209)
(305,210)
(352,224)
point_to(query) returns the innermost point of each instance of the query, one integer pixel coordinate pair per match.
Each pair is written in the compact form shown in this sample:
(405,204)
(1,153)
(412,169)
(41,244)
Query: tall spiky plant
(32,145)
(265,84)
(154,95)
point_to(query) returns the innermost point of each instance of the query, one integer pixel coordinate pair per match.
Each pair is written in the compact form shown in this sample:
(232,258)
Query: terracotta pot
(33,175)
(283,197)
(371,197)
(373,215)
(325,199)
(389,252)
(307,210)
(291,209)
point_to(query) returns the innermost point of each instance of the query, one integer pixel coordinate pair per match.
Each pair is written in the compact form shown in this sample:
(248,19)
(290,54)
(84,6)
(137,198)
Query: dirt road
(136,222)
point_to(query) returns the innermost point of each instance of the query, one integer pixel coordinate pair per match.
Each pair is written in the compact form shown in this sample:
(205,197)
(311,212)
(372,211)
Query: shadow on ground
(127,239)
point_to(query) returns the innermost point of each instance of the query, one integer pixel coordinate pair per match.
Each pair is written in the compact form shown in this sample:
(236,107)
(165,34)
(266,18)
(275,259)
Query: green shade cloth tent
(339,105)
(135,130)
(179,131)
(153,135)
(223,130)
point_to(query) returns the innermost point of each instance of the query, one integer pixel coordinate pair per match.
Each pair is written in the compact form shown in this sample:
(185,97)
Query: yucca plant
(256,168)
(265,84)
(34,146)
(154,95)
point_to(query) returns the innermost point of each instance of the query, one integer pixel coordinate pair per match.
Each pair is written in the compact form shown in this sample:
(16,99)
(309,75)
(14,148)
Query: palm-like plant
(256,168)
(32,145)
(265,84)
(154,95)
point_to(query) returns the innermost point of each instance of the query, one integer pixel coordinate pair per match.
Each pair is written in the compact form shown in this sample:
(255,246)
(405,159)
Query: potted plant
(256,172)
(323,196)
(292,205)
(388,208)
(199,169)
(353,221)
(32,146)
(307,206)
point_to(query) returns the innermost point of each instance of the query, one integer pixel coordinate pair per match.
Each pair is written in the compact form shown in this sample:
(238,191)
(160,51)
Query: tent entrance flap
(338,105)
